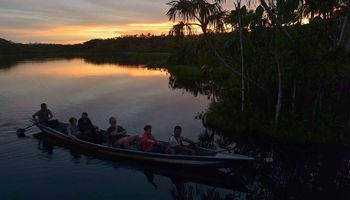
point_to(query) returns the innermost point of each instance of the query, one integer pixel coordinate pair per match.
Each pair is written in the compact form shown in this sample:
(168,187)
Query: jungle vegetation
(278,68)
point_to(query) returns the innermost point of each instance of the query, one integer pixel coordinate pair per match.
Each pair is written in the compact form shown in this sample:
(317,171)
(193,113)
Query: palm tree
(181,29)
(200,13)
(324,9)
(207,16)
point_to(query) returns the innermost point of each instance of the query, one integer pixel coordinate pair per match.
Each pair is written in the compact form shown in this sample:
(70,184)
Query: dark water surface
(39,168)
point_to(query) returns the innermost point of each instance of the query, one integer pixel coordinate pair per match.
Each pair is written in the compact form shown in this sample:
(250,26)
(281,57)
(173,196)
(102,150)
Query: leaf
(259,11)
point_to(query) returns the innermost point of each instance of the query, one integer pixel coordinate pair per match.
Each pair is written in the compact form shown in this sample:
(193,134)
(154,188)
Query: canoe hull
(119,153)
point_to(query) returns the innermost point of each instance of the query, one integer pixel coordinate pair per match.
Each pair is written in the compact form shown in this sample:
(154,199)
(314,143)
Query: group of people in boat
(117,136)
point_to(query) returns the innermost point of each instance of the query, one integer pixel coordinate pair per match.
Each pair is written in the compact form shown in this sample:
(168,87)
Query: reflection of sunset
(81,69)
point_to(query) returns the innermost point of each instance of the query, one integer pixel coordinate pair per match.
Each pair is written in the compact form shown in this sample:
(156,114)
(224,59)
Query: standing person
(117,135)
(176,142)
(43,115)
(150,144)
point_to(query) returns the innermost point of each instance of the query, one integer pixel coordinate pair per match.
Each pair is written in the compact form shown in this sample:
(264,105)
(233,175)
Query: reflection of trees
(7,62)
(132,59)
(290,171)
(128,59)
(190,191)
(182,192)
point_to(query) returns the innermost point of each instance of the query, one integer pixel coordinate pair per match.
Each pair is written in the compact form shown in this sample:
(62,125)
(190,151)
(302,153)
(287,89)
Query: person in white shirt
(176,142)
(72,129)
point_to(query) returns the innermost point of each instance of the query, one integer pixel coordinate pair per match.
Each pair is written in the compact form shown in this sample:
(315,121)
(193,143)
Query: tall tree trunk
(274,19)
(279,95)
(238,6)
(228,66)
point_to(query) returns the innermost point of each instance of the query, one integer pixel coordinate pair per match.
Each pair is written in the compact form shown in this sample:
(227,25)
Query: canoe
(204,157)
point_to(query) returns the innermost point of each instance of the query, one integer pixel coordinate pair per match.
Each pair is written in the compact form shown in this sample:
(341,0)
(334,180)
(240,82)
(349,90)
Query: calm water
(38,168)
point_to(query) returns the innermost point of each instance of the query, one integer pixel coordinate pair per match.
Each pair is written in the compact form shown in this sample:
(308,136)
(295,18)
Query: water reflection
(292,171)
(78,69)
(135,94)
(125,59)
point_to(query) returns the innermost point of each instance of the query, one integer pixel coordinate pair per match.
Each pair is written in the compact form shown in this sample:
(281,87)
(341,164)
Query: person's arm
(154,140)
(121,131)
(79,125)
(90,124)
(50,114)
(113,133)
(34,116)
(69,131)
(188,140)
(151,141)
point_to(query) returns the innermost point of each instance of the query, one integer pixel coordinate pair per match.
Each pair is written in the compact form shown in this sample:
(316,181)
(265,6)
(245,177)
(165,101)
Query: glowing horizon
(73,34)
(77,21)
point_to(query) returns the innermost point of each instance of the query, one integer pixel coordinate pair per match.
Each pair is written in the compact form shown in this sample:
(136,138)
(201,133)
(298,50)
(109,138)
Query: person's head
(43,106)
(84,115)
(113,121)
(73,120)
(147,129)
(177,131)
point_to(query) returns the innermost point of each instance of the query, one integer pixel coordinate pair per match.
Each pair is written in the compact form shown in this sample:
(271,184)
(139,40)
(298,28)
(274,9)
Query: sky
(72,21)
(75,21)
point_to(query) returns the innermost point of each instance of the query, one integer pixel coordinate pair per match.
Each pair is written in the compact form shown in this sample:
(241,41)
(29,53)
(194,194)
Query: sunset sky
(74,21)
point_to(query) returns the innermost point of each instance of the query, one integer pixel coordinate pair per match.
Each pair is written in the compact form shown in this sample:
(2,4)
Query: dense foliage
(296,69)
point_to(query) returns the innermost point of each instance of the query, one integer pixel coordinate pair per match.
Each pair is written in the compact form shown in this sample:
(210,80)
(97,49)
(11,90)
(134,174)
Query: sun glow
(78,33)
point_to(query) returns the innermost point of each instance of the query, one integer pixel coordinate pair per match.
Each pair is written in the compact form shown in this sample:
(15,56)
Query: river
(38,168)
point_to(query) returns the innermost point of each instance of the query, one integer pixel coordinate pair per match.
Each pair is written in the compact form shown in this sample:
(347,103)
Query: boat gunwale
(234,157)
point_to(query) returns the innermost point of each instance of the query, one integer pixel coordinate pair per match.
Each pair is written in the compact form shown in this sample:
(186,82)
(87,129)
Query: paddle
(21,132)
(229,148)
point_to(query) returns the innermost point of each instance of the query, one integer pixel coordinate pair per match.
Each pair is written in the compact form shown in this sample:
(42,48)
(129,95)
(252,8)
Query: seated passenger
(176,142)
(85,124)
(150,144)
(87,130)
(117,135)
(72,129)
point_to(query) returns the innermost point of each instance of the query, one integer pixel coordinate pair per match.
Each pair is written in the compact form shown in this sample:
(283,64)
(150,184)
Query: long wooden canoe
(204,157)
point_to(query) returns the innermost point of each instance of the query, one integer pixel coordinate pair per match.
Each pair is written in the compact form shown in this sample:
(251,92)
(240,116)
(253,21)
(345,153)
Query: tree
(200,13)
(207,16)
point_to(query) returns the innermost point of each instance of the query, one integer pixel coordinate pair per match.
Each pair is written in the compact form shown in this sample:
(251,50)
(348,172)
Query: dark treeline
(135,43)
